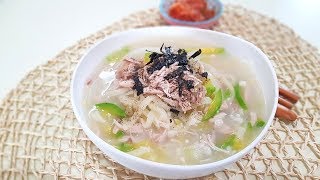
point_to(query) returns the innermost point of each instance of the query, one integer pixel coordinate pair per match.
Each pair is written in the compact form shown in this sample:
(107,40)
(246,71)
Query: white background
(33,31)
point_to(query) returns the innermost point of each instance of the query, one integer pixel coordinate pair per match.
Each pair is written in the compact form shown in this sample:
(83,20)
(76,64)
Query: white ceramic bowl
(236,46)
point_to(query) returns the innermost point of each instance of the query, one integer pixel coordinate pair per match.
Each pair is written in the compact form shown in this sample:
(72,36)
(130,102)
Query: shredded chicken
(127,68)
(158,83)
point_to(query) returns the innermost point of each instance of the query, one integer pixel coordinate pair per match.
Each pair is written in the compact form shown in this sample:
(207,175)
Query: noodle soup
(177,105)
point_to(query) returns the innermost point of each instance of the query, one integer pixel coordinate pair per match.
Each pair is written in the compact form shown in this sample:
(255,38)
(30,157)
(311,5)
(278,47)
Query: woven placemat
(40,137)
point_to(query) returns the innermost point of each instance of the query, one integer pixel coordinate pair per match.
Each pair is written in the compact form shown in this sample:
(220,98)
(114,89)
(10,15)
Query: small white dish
(236,46)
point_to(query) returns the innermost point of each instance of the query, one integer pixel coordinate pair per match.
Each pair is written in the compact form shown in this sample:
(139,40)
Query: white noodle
(116,92)
(140,151)
(194,118)
(212,146)
(146,101)
(149,121)
(94,114)
(162,114)
(161,104)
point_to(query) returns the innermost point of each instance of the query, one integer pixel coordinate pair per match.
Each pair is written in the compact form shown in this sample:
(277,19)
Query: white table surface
(33,31)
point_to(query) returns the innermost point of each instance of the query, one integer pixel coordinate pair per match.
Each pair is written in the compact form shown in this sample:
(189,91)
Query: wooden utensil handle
(285,103)
(292,97)
(285,113)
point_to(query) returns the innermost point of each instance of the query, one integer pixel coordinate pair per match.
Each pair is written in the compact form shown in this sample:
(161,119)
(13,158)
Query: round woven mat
(40,137)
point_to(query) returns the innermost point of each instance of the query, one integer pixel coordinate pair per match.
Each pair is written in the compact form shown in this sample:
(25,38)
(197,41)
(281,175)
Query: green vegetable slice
(226,94)
(249,134)
(146,58)
(209,88)
(239,98)
(119,134)
(125,147)
(109,108)
(214,106)
(232,141)
(118,54)
(249,131)
(249,126)
(208,50)
(260,123)
(229,142)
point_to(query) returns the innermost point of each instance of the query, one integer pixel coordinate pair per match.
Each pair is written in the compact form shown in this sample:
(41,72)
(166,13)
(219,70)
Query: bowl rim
(219,163)
(217,15)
